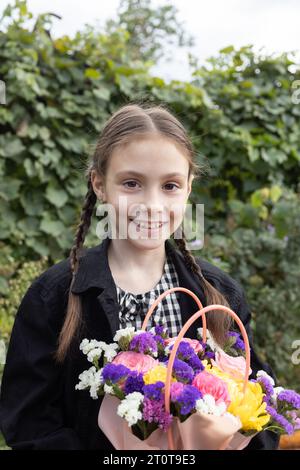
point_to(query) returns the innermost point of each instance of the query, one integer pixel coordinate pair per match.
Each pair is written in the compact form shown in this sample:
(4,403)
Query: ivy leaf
(52,227)
(57,197)
(9,189)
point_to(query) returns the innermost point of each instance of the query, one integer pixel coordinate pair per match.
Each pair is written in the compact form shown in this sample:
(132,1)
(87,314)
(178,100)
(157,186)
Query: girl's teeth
(150,226)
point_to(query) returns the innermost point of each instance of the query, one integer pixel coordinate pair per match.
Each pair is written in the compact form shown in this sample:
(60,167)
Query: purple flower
(175,390)
(196,364)
(289,397)
(159,330)
(281,420)
(239,343)
(187,399)
(143,343)
(154,412)
(153,391)
(210,355)
(267,387)
(134,383)
(159,339)
(186,353)
(182,371)
(295,419)
(114,372)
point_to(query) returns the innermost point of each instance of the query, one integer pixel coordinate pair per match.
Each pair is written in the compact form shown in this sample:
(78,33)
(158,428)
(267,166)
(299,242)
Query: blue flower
(153,391)
(134,383)
(187,399)
(114,372)
(143,343)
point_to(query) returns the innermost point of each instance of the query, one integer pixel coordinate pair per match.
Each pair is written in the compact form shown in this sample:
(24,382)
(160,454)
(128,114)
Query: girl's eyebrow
(141,175)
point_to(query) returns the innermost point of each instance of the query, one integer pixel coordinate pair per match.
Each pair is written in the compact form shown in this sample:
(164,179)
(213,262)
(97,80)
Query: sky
(271,25)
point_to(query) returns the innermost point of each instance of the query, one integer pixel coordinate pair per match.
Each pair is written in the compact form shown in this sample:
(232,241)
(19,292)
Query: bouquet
(182,393)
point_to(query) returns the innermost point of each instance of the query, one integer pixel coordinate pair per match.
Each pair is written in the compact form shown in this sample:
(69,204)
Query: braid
(218,324)
(73,319)
(83,227)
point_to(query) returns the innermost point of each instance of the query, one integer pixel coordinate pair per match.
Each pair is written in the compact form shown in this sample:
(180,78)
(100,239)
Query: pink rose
(176,389)
(194,343)
(235,366)
(135,361)
(212,385)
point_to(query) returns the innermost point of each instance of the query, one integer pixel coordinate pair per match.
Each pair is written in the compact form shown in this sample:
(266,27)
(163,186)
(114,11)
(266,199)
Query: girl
(143,167)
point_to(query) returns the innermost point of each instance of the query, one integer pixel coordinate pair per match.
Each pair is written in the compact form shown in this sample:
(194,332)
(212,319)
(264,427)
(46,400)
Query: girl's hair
(123,126)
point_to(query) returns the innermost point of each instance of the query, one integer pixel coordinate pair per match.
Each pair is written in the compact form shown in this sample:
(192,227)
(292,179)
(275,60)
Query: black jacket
(39,406)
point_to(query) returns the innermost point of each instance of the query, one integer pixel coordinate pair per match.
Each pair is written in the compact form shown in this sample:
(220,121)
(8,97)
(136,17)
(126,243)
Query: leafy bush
(240,114)
(17,286)
(260,248)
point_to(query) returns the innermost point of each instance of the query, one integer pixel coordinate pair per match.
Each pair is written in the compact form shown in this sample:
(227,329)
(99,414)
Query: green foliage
(17,285)
(251,135)
(262,251)
(149,28)
(59,94)
(239,113)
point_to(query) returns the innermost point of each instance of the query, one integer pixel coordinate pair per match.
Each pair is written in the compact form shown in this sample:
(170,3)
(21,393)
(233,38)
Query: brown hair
(128,122)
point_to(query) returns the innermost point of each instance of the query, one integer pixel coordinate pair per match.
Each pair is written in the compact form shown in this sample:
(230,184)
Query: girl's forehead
(151,154)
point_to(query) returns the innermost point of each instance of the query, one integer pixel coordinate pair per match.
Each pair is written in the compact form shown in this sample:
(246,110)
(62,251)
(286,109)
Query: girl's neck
(133,269)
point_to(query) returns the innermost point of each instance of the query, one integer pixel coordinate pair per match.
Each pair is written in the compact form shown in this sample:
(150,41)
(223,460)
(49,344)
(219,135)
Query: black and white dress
(134,307)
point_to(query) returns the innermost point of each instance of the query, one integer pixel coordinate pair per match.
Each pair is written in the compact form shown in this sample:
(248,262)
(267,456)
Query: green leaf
(57,197)
(9,189)
(54,228)
(102,93)
(92,73)
(13,147)
(227,50)
(275,193)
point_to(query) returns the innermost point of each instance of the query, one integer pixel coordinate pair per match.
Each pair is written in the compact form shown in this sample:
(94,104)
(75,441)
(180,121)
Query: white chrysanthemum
(94,354)
(91,379)
(209,340)
(262,373)
(129,408)
(86,378)
(108,389)
(276,391)
(110,351)
(208,405)
(87,345)
(96,383)
(123,333)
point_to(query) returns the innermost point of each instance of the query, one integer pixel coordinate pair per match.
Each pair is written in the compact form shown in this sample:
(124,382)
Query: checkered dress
(134,307)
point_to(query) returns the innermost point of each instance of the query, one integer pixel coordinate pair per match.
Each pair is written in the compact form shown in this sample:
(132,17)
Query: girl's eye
(171,184)
(130,182)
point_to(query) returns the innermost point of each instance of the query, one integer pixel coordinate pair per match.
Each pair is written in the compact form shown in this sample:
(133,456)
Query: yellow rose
(251,411)
(158,374)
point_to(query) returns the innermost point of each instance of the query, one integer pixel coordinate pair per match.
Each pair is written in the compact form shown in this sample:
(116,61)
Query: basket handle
(169,291)
(190,321)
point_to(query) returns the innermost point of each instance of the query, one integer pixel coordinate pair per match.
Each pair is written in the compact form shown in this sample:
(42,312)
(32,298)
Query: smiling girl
(142,168)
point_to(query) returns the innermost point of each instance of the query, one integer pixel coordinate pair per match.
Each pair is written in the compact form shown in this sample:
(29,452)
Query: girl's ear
(98,185)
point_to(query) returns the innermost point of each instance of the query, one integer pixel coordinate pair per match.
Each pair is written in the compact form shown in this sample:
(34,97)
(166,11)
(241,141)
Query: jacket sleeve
(265,440)
(31,415)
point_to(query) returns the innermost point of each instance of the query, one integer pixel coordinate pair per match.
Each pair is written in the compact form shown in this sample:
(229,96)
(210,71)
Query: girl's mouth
(147,226)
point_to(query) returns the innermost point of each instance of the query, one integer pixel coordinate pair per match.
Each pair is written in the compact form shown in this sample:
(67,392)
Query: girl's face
(147,186)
